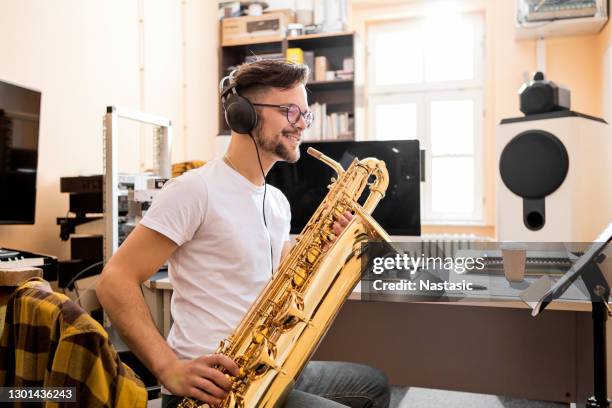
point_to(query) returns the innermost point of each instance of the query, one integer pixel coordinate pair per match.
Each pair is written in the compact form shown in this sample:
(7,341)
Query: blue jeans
(331,385)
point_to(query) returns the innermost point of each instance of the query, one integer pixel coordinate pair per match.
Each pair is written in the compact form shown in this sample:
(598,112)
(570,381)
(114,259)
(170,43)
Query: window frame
(384,27)
(423,94)
(477,215)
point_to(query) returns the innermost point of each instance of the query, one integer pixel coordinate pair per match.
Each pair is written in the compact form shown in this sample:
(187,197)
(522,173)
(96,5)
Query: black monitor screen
(305,182)
(19,125)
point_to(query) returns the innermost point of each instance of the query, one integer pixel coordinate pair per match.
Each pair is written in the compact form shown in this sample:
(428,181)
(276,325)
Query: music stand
(587,268)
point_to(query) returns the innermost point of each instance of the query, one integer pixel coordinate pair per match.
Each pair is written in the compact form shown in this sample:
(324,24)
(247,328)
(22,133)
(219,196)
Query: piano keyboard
(20,262)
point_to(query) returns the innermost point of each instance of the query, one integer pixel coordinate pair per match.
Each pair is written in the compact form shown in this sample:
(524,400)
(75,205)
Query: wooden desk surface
(161,281)
(14,276)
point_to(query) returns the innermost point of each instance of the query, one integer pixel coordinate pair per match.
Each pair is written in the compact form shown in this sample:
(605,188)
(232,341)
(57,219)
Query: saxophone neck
(378,186)
(369,167)
(327,160)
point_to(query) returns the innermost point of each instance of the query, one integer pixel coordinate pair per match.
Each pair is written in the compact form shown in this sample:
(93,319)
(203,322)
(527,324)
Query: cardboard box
(86,290)
(247,30)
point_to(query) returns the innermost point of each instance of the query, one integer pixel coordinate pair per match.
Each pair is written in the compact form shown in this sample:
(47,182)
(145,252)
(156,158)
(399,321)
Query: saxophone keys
(312,255)
(262,361)
(293,317)
(291,313)
(299,276)
(260,335)
(233,401)
(298,281)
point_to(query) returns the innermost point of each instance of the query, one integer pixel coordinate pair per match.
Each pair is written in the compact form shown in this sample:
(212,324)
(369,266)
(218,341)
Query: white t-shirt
(222,263)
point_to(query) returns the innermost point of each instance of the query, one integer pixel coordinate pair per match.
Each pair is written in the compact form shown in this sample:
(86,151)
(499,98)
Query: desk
(157,293)
(483,347)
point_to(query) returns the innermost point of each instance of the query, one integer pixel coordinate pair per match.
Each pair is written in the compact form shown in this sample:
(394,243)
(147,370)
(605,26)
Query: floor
(413,397)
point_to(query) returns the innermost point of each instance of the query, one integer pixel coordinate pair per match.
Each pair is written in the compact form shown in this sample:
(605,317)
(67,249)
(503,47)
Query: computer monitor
(305,182)
(19,128)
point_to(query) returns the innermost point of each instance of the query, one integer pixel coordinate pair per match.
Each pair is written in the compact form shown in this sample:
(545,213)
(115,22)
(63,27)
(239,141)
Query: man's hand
(199,378)
(341,222)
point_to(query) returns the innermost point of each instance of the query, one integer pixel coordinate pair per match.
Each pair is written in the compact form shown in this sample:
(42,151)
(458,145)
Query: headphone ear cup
(240,114)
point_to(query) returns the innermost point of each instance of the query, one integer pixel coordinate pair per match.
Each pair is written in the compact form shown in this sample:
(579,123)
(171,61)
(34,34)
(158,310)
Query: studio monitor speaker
(554,176)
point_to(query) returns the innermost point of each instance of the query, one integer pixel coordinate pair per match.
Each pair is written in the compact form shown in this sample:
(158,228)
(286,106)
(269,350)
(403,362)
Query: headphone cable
(263,204)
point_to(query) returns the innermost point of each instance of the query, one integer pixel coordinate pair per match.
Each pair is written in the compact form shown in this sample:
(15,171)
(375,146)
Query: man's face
(274,134)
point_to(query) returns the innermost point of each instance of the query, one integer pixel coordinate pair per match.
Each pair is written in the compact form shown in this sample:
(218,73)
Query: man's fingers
(208,387)
(342,220)
(340,223)
(224,361)
(195,392)
(214,375)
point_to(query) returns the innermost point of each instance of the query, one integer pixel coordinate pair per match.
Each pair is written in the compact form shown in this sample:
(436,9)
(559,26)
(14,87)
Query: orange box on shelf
(248,29)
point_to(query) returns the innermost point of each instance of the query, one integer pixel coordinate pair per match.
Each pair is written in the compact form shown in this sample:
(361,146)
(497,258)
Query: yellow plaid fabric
(49,341)
(180,168)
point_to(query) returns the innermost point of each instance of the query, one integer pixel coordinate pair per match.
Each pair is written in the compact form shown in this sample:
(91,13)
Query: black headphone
(240,114)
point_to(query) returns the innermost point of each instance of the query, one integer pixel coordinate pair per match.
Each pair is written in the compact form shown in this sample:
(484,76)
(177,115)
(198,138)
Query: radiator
(446,245)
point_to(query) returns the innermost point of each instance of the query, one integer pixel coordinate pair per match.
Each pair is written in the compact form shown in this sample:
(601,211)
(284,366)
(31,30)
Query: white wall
(607,85)
(157,56)
(607,115)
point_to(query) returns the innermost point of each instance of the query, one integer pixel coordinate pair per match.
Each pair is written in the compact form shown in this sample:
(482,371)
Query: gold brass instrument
(283,327)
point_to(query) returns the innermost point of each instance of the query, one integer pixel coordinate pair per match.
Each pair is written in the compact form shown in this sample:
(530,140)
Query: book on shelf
(335,126)
(344,74)
(295,55)
(279,56)
(309,58)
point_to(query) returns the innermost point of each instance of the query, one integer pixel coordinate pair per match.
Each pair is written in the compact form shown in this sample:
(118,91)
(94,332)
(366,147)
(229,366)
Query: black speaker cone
(533,165)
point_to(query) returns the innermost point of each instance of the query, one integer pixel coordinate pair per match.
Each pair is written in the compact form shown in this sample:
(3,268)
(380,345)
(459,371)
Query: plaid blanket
(49,341)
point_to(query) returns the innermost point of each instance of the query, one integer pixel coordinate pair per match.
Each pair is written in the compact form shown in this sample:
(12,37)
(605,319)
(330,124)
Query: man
(223,232)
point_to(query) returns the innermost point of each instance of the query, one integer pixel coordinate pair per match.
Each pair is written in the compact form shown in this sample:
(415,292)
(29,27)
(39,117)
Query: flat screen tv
(305,182)
(19,128)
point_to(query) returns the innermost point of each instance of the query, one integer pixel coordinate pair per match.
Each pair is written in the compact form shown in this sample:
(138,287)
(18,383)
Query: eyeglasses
(293,113)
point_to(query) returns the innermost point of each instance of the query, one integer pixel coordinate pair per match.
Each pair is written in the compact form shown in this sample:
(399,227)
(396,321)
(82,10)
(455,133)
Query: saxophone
(283,327)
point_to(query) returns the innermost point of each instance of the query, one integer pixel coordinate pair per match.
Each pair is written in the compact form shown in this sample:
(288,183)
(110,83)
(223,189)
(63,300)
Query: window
(425,82)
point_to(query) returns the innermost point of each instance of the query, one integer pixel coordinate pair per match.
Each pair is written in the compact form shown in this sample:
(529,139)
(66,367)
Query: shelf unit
(338,95)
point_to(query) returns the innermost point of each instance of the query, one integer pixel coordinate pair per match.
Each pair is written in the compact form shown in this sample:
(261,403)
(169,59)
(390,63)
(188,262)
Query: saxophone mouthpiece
(314,152)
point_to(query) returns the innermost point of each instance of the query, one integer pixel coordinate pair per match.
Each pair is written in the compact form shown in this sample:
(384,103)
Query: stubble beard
(275,146)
